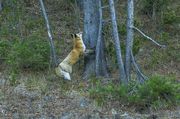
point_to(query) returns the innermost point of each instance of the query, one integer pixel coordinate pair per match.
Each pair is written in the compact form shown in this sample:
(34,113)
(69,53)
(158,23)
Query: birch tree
(129,40)
(53,53)
(0,5)
(117,43)
(129,43)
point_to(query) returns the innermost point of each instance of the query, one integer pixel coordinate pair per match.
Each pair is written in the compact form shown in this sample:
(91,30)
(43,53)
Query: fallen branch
(52,48)
(148,37)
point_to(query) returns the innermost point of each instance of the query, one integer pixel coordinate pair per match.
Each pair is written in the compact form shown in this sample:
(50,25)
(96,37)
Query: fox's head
(78,37)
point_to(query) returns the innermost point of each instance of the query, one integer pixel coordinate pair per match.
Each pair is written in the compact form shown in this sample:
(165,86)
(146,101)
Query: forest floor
(47,97)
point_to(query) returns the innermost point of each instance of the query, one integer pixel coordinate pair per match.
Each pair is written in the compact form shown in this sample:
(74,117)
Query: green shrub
(138,43)
(157,92)
(169,17)
(104,93)
(4,48)
(122,29)
(150,6)
(32,53)
(164,37)
(22,43)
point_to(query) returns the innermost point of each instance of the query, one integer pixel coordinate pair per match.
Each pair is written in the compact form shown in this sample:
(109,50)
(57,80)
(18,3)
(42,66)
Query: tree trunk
(0,5)
(117,43)
(129,40)
(51,43)
(99,41)
(80,4)
(91,33)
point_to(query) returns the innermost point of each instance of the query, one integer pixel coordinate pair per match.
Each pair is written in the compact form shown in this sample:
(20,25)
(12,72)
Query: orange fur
(74,55)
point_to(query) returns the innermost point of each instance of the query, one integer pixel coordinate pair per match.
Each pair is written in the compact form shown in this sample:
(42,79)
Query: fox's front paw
(89,51)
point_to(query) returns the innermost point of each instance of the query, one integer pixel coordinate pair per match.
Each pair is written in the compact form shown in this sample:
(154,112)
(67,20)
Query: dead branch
(89,51)
(148,37)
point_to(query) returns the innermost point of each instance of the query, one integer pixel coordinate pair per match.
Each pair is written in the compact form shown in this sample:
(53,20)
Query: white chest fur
(84,47)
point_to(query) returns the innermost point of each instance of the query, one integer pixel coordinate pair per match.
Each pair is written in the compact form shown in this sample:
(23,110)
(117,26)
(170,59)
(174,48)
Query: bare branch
(148,37)
(53,54)
(89,51)
(106,6)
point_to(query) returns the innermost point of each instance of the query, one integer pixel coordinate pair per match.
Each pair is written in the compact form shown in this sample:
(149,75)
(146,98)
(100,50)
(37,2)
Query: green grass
(23,44)
(157,92)
(36,83)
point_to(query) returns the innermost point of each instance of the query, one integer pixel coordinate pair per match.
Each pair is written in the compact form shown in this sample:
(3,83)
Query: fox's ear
(72,35)
(75,35)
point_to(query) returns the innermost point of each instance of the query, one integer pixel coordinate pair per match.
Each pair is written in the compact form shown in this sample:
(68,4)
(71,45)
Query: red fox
(65,67)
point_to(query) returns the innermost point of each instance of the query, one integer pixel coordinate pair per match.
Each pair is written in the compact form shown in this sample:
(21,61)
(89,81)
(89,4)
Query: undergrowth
(157,92)
(23,45)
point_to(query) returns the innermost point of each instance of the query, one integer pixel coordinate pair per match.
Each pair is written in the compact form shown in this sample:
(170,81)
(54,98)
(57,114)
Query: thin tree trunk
(130,37)
(103,64)
(129,44)
(0,5)
(117,43)
(98,45)
(52,48)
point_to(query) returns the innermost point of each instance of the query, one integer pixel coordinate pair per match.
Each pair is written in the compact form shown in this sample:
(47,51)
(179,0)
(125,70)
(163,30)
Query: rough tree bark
(91,34)
(130,37)
(117,43)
